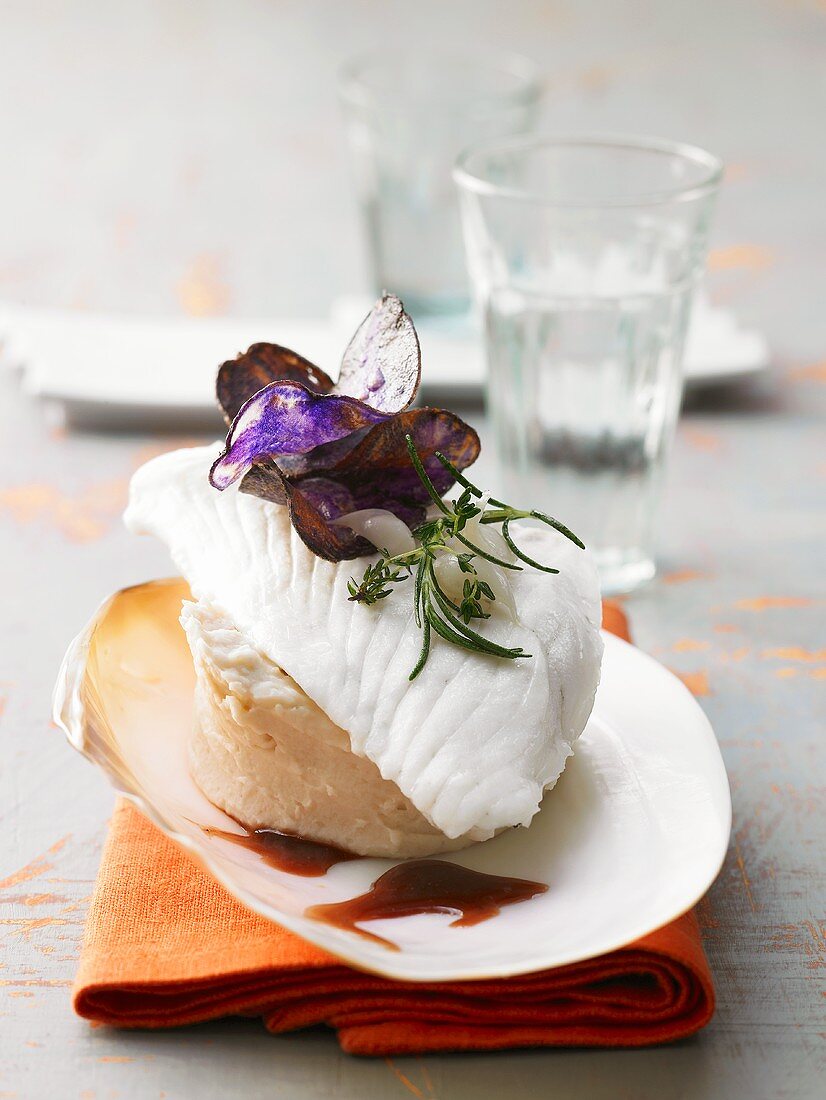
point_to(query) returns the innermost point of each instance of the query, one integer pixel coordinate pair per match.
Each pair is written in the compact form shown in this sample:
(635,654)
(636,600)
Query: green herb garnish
(434,609)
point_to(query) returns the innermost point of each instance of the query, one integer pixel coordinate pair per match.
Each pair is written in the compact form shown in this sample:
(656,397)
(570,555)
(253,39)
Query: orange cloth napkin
(166,945)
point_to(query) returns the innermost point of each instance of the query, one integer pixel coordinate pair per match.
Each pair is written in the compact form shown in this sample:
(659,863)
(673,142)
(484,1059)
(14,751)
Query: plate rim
(67,714)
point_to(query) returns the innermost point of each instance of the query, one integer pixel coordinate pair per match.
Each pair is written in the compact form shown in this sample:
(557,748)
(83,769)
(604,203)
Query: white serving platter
(631,837)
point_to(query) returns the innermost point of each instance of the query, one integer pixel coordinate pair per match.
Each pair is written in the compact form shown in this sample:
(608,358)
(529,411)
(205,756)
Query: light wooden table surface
(179,157)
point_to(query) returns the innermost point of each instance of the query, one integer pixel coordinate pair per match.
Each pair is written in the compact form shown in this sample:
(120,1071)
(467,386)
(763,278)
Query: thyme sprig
(434,610)
(373,586)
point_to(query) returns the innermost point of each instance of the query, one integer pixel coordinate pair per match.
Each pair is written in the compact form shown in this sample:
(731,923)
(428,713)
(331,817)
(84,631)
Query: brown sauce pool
(413,887)
(427,886)
(288,852)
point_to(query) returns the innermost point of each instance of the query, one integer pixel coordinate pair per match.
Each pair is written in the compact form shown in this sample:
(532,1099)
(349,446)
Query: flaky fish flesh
(474,741)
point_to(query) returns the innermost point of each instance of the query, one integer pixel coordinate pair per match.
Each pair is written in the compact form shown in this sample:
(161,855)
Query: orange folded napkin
(166,945)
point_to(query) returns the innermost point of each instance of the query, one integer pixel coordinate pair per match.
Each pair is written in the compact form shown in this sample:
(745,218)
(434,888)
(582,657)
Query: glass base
(619,574)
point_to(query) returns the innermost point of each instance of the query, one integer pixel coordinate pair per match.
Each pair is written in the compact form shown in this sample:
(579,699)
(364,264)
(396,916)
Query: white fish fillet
(474,740)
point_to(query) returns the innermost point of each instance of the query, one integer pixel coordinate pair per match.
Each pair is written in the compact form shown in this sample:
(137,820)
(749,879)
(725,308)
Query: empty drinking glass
(584,254)
(408,116)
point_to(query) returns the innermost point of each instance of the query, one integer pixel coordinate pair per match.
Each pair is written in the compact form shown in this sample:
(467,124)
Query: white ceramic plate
(631,837)
(124,372)
(128,371)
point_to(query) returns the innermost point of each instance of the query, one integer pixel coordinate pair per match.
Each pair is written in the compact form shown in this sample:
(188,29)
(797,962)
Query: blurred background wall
(169,156)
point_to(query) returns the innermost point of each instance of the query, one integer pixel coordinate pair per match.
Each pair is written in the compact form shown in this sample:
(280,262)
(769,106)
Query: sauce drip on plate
(427,886)
(287,852)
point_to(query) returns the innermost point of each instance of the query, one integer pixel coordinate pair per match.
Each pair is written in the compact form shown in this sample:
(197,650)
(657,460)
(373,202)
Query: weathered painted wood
(138,199)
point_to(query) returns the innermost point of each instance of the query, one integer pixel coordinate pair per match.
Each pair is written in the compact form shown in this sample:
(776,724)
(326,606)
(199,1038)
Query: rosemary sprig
(435,611)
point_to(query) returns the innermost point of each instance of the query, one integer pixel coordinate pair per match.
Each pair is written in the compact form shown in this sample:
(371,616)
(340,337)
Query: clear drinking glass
(408,116)
(584,254)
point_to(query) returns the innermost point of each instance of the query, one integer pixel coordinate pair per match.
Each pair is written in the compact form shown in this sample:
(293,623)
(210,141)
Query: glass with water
(409,114)
(584,256)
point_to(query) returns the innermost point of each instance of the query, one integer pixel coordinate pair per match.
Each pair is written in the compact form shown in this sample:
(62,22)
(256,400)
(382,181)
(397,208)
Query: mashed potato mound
(269,756)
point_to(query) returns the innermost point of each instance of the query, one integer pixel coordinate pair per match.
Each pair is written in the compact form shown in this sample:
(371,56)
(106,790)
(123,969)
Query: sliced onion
(385,530)
(452,581)
(488,538)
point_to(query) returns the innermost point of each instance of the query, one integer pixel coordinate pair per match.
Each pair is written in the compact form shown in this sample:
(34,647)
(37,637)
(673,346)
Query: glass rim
(353,89)
(466,179)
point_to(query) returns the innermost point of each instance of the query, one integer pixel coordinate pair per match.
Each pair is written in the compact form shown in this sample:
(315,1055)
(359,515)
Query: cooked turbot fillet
(307,720)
